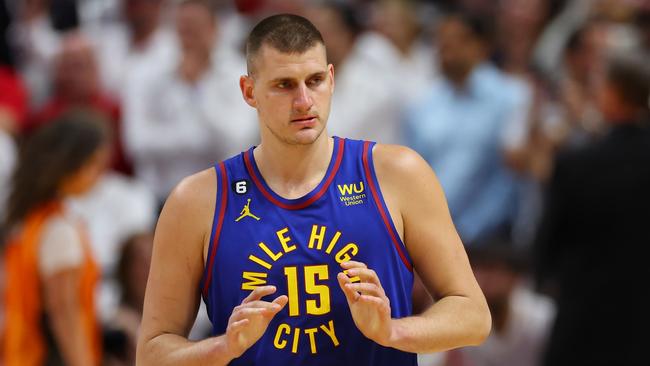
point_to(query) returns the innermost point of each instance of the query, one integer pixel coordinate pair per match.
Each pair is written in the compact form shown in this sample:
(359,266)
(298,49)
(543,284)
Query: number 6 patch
(240,186)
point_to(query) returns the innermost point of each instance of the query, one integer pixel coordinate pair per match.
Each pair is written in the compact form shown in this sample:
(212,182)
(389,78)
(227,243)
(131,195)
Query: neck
(292,171)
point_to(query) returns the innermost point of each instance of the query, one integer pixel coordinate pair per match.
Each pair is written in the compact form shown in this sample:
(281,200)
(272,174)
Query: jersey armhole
(375,190)
(221,201)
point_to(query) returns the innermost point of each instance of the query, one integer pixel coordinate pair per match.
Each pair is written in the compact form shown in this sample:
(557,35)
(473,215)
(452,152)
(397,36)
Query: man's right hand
(249,320)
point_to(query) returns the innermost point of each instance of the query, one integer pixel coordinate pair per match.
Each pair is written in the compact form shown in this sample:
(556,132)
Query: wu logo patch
(246,211)
(348,189)
(352,194)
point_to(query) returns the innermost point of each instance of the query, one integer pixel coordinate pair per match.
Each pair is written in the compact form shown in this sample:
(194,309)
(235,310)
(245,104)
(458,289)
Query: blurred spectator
(132,273)
(521,319)
(35,33)
(583,62)
(643,22)
(13,100)
(116,208)
(76,85)
(398,43)
(6,54)
(134,47)
(13,106)
(458,127)
(189,116)
(365,105)
(50,272)
(37,43)
(7,162)
(591,242)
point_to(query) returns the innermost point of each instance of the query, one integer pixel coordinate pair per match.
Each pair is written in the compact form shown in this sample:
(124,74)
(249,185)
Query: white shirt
(365,105)
(115,209)
(7,163)
(412,73)
(38,43)
(119,61)
(60,246)
(174,129)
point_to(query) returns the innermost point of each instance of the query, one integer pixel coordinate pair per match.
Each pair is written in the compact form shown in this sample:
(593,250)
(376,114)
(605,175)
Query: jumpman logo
(246,211)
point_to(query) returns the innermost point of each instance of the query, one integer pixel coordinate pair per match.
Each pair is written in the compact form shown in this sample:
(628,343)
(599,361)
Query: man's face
(291,92)
(142,14)
(76,74)
(458,48)
(195,27)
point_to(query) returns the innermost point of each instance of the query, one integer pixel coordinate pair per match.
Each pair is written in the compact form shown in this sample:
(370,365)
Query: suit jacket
(593,239)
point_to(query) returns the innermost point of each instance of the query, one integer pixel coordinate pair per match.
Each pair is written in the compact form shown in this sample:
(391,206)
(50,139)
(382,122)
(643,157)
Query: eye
(315,81)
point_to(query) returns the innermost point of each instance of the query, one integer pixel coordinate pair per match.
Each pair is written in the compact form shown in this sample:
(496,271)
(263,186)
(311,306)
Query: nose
(303,101)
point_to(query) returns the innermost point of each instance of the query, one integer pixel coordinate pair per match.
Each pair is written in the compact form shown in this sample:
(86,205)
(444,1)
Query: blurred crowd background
(533,113)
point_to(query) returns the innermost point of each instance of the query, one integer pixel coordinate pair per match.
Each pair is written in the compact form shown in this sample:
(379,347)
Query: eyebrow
(281,79)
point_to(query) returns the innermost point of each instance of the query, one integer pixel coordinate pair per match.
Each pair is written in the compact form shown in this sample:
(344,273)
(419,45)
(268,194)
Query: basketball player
(304,248)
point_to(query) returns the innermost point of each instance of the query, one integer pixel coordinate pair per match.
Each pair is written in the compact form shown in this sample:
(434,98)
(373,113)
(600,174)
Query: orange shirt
(24,341)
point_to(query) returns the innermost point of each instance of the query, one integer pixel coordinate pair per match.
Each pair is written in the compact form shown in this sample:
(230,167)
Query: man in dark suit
(596,227)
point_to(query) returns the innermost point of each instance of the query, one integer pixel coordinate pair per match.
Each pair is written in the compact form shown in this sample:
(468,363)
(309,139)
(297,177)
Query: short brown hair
(630,74)
(286,33)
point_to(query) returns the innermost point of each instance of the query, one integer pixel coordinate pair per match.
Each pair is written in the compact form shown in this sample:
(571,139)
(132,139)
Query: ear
(330,69)
(246,84)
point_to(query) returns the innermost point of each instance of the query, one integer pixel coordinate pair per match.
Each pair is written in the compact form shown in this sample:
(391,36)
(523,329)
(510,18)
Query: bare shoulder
(189,208)
(396,164)
(194,194)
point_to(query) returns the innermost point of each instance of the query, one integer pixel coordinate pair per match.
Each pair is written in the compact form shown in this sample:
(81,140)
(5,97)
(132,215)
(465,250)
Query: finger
(259,293)
(259,304)
(374,301)
(350,295)
(366,289)
(239,324)
(247,313)
(353,264)
(281,301)
(365,274)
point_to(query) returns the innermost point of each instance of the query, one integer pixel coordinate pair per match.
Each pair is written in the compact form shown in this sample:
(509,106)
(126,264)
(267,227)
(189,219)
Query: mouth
(305,121)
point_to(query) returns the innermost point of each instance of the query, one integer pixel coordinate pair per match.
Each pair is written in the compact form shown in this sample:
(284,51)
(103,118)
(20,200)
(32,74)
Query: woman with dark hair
(50,273)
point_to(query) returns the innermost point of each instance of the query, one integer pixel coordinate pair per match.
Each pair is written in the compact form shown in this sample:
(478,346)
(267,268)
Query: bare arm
(418,208)
(61,291)
(172,296)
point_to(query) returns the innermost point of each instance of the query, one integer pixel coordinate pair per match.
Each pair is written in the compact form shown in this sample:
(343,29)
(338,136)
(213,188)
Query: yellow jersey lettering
(329,330)
(255,279)
(345,189)
(282,328)
(312,339)
(292,289)
(317,238)
(273,256)
(343,256)
(284,240)
(261,262)
(333,242)
(296,337)
(348,189)
(323,292)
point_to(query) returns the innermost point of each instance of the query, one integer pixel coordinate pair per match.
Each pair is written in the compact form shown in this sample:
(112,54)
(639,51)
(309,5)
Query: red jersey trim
(222,186)
(309,201)
(384,216)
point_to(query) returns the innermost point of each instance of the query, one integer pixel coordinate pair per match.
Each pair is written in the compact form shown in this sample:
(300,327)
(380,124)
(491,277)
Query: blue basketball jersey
(260,238)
